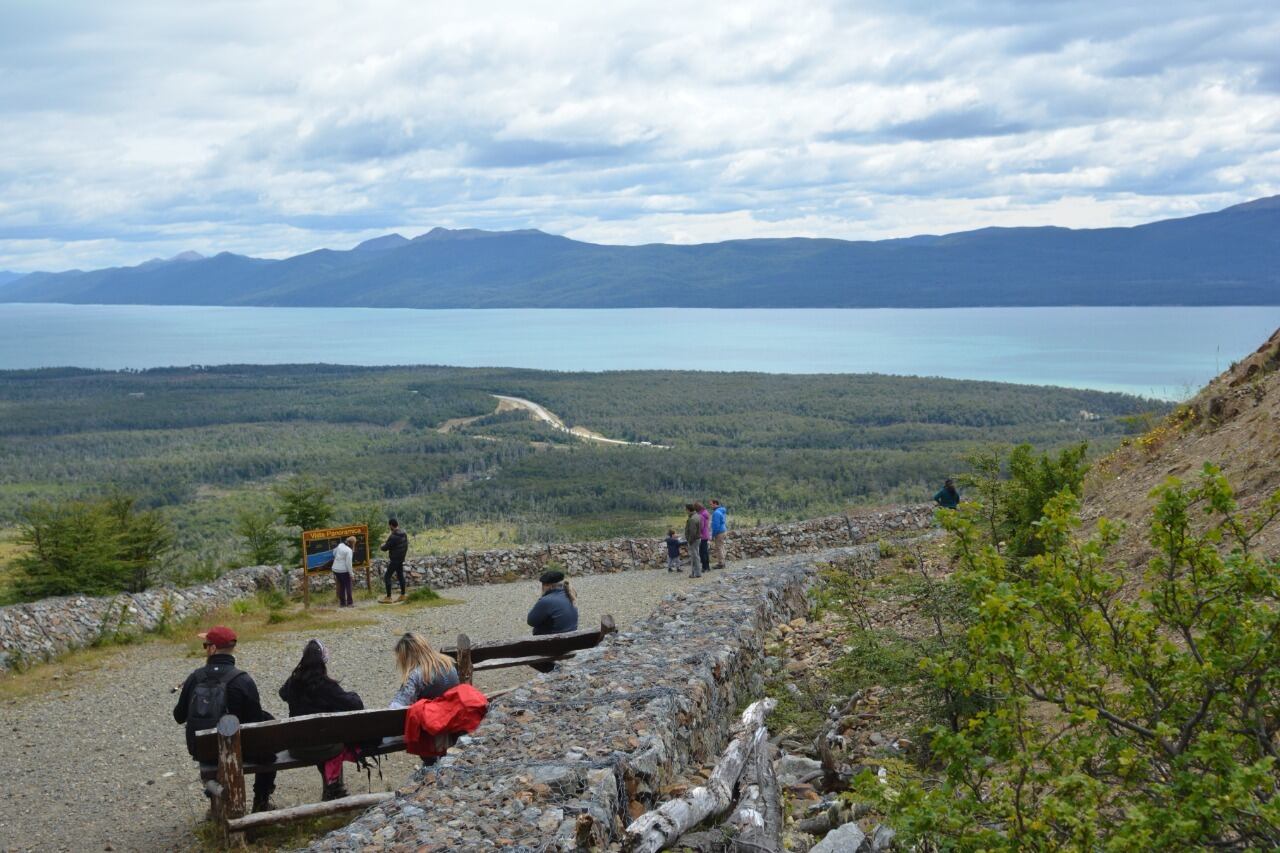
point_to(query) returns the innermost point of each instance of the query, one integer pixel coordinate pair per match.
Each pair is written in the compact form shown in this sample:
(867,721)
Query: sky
(131,130)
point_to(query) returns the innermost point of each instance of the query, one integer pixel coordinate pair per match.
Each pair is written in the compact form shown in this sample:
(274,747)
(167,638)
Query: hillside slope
(1234,422)
(1230,257)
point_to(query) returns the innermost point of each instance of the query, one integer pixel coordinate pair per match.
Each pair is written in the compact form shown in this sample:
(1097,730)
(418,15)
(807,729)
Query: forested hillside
(201,444)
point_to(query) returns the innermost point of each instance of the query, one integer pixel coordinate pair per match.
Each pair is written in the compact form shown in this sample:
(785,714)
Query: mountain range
(1229,257)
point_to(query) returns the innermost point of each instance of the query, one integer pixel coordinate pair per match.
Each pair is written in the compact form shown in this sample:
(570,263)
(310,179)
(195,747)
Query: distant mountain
(6,277)
(1231,257)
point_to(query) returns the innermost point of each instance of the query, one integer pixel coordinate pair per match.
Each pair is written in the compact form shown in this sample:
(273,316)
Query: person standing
(673,551)
(719,529)
(704,544)
(947,497)
(396,546)
(693,536)
(218,688)
(342,571)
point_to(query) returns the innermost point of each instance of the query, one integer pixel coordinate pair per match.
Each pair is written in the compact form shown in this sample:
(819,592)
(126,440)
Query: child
(673,551)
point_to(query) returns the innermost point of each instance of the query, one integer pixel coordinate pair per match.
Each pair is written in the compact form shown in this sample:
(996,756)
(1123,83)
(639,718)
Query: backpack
(208,701)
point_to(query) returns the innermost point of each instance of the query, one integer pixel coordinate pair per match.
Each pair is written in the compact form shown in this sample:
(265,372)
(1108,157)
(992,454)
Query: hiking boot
(334,791)
(263,804)
(386,599)
(399,599)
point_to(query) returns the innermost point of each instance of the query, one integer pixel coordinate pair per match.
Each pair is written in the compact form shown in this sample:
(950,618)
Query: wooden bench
(220,752)
(526,651)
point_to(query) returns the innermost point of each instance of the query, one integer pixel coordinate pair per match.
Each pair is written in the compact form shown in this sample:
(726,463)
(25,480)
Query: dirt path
(581,432)
(101,764)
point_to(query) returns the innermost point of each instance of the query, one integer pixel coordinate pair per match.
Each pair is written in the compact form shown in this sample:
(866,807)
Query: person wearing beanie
(556,610)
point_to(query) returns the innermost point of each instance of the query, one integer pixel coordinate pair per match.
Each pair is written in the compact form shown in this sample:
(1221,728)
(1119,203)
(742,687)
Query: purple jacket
(706,524)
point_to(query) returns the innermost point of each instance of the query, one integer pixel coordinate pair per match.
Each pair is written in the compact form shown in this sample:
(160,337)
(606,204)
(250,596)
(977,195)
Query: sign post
(317,553)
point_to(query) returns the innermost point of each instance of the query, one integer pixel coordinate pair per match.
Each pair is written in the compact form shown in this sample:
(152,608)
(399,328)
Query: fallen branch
(758,817)
(654,830)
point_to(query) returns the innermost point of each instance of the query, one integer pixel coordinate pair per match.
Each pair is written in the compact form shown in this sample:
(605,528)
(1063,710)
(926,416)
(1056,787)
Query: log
(759,814)
(287,815)
(655,830)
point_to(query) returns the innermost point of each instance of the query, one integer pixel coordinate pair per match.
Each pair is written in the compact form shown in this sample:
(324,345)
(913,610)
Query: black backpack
(208,701)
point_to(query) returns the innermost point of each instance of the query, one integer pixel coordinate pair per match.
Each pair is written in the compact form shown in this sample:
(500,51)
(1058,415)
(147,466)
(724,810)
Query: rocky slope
(1234,422)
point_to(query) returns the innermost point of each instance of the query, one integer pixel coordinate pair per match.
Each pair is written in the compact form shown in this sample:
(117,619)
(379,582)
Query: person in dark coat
(310,690)
(947,497)
(241,698)
(396,546)
(555,611)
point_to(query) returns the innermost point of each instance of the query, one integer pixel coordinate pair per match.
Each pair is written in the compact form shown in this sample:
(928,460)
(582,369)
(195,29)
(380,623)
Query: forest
(200,445)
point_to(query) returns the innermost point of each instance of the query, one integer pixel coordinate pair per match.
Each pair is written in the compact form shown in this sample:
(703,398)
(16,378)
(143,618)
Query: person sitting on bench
(218,688)
(555,611)
(424,673)
(310,690)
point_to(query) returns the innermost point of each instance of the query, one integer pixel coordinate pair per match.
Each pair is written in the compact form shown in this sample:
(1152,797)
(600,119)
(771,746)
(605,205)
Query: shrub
(1121,722)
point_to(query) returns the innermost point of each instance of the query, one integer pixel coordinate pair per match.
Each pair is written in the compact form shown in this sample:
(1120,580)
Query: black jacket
(554,613)
(325,698)
(242,697)
(396,546)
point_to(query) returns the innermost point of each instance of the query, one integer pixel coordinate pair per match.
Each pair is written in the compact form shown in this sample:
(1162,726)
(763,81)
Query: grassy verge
(287,837)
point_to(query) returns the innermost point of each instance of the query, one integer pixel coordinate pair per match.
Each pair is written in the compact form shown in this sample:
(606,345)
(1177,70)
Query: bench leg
(229,804)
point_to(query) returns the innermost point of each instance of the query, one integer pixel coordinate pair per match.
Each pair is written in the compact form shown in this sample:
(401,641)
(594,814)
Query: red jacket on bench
(456,712)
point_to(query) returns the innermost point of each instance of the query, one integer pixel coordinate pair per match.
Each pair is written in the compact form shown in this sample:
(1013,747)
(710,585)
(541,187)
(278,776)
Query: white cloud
(135,129)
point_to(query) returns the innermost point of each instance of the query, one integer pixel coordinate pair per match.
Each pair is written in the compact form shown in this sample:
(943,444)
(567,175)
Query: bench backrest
(547,645)
(275,736)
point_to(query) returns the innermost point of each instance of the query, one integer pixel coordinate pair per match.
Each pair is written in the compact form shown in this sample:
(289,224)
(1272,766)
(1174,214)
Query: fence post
(466,566)
(464,659)
(631,546)
(607,626)
(849,526)
(230,804)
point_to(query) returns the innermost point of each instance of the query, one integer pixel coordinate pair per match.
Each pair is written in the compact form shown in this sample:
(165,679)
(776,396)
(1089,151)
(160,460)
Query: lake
(1166,352)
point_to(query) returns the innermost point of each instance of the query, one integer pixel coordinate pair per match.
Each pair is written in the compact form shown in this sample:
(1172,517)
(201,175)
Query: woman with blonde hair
(424,672)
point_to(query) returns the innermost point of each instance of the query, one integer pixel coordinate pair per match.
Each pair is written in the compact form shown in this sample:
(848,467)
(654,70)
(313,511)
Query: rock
(797,769)
(848,838)
(881,838)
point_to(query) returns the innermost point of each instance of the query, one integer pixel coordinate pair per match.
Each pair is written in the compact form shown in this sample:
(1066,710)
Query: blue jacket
(717,521)
(554,613)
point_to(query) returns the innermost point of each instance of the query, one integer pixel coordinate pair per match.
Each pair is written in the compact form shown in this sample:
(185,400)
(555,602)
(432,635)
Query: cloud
(141,128)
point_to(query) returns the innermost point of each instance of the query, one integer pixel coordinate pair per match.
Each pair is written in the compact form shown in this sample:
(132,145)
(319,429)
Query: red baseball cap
(218,636)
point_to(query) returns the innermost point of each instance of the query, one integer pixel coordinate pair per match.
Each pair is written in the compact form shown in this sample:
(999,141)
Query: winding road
(580,432)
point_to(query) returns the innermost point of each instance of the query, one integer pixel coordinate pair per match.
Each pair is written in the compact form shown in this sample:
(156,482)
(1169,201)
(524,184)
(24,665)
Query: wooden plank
(504,663)
(273,736)
(278,816)
(546,645)
(286,761)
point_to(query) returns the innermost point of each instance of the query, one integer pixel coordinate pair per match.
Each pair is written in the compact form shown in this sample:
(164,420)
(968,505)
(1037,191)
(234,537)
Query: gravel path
(104,767)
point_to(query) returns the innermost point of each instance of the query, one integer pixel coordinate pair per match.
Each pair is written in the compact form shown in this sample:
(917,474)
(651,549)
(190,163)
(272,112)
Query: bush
(1121,722)
(90,547)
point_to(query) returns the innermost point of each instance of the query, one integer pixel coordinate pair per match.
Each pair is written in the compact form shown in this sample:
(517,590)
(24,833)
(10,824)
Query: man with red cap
(218,688)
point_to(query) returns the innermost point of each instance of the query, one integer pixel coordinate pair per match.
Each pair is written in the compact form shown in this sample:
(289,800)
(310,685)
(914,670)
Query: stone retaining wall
(44,629)
(566,761)
(49,627)
(619,555)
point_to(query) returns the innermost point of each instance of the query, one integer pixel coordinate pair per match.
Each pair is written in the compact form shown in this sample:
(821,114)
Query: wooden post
(464,659)
(230,775)
(607,626)
(631,546)
(849,526)
(466,566)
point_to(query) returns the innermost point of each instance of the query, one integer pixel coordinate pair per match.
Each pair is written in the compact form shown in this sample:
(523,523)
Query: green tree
(256,525)
(91,547)
(304,504)
(1123,722)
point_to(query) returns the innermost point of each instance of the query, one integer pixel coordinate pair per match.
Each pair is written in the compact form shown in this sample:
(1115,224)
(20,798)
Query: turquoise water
(1164,352)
